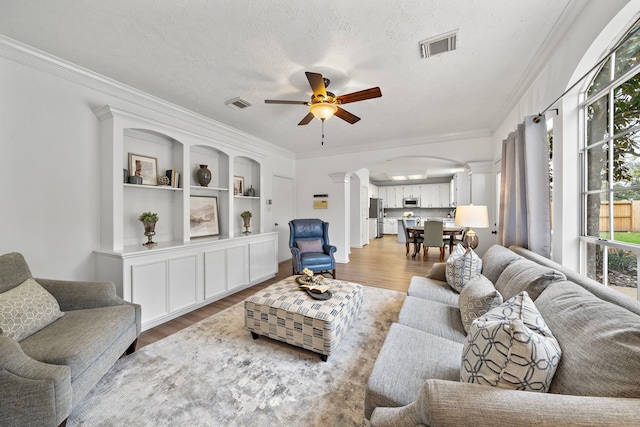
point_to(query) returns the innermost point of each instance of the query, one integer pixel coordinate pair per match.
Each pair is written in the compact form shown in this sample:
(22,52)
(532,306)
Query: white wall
(594,32)
(49,156)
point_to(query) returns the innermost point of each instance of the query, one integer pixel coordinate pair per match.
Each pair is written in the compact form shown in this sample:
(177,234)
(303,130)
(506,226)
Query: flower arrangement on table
(311,282)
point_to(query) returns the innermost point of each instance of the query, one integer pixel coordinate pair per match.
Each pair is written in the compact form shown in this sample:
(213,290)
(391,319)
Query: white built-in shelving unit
(181,272)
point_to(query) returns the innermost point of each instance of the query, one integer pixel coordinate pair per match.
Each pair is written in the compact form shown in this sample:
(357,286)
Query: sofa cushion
(463,265)
(433,290)
(309,245)
(476,299)
(600,343)
(524,275)
(495,260)
(80,337)
(407,358)
(439,319)
(438,272)
(511,347)
(26,309)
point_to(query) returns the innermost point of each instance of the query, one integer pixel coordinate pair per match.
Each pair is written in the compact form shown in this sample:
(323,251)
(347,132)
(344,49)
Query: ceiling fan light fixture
(322,110)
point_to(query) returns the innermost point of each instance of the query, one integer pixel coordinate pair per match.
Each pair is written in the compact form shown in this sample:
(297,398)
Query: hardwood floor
(382,264)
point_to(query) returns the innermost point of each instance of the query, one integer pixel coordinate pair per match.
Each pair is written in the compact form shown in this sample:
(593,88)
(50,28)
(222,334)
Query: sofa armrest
(438,272)
(72,295)
(31,393)
(451,403)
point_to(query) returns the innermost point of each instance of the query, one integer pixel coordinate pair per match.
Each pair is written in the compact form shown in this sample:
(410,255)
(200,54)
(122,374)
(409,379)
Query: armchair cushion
(26,309)
(309,245)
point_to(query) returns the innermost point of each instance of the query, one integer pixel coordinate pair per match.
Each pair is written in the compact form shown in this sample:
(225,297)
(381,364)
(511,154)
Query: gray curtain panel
(525,212)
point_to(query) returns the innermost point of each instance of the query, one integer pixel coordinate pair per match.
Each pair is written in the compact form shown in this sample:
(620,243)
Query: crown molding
(399,143)
(153,107)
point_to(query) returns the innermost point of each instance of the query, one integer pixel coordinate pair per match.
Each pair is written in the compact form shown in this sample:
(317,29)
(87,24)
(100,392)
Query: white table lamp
(472,216)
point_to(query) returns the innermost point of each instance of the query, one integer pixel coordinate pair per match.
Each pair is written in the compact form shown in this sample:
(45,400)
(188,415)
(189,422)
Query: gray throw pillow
(524,275)
(26,309)
(511,347)
(309,245)
(476,299)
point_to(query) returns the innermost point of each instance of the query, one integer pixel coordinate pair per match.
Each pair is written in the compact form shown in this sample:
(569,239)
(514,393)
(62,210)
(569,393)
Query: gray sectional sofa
(44,375)
(416,377)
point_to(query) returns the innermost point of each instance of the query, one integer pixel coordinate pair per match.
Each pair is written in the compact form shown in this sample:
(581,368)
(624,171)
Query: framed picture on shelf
(145,167)
(238,185)
(203,216)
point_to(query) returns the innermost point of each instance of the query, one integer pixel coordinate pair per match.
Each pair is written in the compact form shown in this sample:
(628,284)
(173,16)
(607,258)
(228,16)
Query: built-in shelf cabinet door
(182,283)
(149,289)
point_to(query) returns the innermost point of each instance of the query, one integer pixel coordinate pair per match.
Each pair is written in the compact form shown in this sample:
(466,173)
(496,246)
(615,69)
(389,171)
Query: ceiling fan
(325,104)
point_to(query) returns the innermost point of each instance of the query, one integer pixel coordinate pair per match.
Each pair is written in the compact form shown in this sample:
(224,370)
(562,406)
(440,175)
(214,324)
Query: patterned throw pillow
(476,299)
(511,347)
(309,245)
(463,265)
(26,309)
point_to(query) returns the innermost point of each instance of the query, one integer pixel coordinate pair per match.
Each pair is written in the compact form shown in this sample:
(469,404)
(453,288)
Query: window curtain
(525,198)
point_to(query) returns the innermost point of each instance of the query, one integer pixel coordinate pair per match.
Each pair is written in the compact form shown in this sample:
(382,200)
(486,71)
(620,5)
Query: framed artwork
(203,216)
(238,185)
(145,167)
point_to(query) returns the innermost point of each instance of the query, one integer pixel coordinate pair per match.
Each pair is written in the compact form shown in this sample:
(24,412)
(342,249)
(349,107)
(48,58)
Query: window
(611,168)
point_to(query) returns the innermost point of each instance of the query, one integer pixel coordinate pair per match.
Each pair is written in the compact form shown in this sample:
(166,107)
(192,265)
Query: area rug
(214,374)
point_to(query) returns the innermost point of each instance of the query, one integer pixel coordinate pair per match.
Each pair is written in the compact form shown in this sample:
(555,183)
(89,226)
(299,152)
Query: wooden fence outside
(626,215)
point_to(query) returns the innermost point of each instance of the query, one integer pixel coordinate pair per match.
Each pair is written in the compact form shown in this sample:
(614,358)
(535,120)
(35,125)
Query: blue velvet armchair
(310,248)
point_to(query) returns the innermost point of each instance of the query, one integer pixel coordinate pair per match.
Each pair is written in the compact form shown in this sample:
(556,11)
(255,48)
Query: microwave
(411,202)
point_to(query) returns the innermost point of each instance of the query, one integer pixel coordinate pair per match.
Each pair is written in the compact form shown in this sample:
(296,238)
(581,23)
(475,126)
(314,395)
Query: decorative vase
(149,231)
(251,192)
(204,175)
(247,224)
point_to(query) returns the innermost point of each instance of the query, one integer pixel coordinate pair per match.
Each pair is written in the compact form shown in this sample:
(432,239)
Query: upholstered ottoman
(286,313)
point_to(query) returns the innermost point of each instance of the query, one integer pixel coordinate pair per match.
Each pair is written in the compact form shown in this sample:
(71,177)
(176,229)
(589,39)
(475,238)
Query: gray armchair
(43,376)
(310,248)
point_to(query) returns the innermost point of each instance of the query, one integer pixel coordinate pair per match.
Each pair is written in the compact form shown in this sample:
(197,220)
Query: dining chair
(408,237)
(433,237)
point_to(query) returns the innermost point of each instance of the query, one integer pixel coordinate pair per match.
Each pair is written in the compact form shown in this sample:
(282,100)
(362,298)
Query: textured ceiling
(199,54)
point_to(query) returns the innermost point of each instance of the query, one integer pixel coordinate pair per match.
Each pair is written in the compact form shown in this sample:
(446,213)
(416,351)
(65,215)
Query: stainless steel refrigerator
(376,212)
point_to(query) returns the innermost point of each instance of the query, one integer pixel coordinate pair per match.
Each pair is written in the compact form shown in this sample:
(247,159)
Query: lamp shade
(472,216)
(323,110)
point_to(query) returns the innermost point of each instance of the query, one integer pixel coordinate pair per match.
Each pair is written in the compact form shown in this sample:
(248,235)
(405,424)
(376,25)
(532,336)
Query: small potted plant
(149,220)
(246,217)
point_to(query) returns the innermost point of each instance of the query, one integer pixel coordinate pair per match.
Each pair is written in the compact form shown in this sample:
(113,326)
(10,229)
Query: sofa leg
(132,347)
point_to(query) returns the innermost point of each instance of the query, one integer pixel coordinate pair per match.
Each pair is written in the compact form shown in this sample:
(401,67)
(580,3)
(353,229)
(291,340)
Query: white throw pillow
(463,265)
(511,347)
(26,309)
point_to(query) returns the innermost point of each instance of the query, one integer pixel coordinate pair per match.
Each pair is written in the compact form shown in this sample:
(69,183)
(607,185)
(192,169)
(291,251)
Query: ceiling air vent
(237,103)
(439,44)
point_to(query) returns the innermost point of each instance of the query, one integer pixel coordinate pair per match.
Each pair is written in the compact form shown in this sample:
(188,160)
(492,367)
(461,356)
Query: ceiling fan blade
(374,92)
(346,116)
(306,119)
(276,101)
(317,84)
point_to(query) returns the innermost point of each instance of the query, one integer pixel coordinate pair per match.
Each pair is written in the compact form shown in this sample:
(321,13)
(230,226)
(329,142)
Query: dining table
(417,231)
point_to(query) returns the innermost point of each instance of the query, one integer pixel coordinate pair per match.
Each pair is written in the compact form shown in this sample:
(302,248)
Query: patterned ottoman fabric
(286,313)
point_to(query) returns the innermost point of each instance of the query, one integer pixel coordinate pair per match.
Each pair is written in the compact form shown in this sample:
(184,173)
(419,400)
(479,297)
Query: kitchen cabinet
(435,195)
(460,189)
(390,226)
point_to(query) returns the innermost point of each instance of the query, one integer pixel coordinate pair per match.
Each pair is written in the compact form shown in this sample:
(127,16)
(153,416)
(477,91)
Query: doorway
(282,212)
